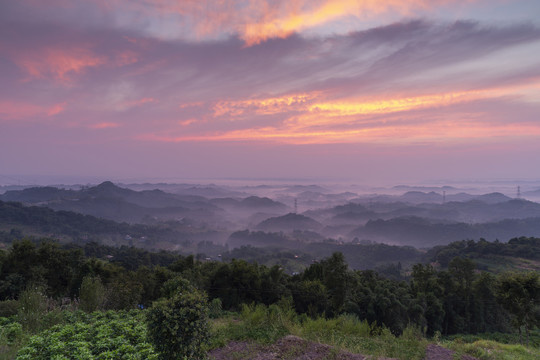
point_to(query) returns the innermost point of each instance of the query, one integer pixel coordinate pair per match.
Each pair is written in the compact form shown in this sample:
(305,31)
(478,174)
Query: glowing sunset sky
(366,90)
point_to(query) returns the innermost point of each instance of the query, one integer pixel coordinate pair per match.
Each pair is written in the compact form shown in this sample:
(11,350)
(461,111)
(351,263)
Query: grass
(350,334)
(492,350)
(504,338)
(266,325)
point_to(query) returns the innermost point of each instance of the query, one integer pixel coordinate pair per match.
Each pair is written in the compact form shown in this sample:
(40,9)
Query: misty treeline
(459,299)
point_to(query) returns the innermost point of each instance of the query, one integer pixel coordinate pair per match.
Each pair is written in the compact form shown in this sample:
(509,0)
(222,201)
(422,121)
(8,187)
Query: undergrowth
(266,325)
(491,350)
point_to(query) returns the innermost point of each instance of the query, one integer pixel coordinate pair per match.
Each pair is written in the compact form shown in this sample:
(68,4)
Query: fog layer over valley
(270,223)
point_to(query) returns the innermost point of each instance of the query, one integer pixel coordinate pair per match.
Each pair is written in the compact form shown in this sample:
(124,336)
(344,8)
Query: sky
(368,91)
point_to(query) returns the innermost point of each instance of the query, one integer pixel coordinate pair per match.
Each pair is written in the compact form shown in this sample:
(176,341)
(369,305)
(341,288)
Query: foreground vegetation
(124,335)
(44,287)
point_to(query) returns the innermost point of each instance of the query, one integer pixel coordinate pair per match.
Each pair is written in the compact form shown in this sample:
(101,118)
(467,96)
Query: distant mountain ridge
(110,201)
(290,222)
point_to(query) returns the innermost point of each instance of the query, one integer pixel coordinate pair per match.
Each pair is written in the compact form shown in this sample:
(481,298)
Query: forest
(438,301)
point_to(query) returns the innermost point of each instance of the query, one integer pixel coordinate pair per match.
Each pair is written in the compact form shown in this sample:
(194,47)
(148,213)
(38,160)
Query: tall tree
(519,294)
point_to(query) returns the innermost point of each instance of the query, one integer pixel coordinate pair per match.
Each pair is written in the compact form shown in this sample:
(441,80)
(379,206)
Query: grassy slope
(267,325)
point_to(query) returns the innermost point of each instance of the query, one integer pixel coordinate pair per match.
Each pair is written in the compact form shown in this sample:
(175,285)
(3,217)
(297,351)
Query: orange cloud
(329,112)
(304,16)
(312,109)
(446,130)
(311,119)
(267,106)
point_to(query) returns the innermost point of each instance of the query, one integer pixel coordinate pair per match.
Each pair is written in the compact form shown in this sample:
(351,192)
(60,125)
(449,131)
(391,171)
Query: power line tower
(295,206)
(518,192)
(444,197)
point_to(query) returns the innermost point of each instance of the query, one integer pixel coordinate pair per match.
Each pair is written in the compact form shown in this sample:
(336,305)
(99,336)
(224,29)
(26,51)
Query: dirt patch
(436,352)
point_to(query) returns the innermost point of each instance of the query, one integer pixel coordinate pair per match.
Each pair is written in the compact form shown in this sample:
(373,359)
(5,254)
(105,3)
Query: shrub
(178,326)
(11,333)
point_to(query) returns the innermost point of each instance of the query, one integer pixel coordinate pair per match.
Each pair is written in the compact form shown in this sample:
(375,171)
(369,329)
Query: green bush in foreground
(11,333)
(110,335)
(178,326)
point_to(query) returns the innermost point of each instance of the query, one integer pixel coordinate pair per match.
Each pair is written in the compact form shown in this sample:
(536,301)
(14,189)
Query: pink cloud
(17,110)
(105,125)
(58,63)
(56,109)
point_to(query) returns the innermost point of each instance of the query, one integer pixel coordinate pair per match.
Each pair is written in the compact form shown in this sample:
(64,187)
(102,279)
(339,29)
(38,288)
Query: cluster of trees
(457,300)
(522,247)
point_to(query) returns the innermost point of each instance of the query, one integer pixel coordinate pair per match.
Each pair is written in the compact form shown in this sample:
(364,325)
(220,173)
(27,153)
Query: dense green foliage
(519,293)
(458,299)
(304,247)
(110,335)
(522,247)
(178,325)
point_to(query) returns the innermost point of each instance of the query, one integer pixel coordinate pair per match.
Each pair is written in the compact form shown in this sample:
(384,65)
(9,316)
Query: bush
(10,333)
(178,326)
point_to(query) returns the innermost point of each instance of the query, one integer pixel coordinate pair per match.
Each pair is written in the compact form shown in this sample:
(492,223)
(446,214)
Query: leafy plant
(110,335)
(178,326)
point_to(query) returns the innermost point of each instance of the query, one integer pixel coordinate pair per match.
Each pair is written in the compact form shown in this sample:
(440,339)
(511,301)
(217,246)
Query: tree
(333,273)
(178,326)
(92,294)
(461,271)
(32,308)
(428,292)
(519,294)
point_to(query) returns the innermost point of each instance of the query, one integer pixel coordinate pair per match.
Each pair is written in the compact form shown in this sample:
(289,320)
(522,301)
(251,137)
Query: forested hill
(45,220)
(517,253)
(17,220)
(423,233)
